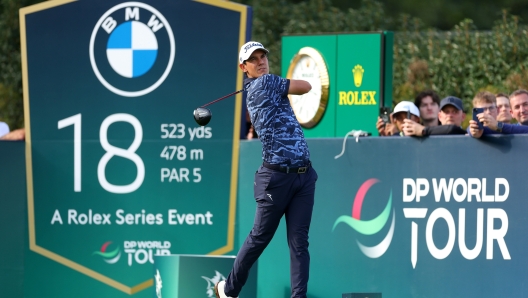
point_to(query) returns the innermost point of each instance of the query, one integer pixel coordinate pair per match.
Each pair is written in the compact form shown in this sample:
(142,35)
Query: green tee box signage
(360,78)
(419,222)
(182,276)
(118,172)
(12,220)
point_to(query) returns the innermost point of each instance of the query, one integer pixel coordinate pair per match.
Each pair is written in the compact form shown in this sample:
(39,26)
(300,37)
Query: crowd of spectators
(428,115)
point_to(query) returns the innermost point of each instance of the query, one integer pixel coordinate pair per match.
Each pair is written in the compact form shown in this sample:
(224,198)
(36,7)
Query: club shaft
(224,97)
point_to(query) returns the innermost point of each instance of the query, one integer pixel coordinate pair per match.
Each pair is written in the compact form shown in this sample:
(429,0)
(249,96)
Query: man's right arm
(298,87)
(514,129)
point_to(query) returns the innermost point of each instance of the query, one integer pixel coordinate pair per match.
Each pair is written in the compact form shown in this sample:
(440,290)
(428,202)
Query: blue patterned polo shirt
(272,116)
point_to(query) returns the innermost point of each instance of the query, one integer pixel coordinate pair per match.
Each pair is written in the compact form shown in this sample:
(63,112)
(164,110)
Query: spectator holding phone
(402,111)
(485,109)
(392,127)
(519,111)
(451,116)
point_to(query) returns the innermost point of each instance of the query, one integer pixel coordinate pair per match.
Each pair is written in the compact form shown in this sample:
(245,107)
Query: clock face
(305,106)
(309,65)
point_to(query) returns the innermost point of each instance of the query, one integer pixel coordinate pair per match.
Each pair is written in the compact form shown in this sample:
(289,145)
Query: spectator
(393,127)
(429,104)
(398,117)
(519,106)
(487,101)
(519,111)
(4,129)
(15,135)
(250,133)
(504,109)
(451,111)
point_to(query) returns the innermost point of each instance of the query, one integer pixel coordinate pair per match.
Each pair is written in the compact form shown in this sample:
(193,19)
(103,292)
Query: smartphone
(408,114)
(477,111)
(385,114)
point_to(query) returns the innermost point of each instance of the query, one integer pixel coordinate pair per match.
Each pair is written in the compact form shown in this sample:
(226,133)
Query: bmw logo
(132,49)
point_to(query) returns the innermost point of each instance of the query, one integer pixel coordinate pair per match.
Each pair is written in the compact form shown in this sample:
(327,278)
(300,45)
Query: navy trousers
(278,194)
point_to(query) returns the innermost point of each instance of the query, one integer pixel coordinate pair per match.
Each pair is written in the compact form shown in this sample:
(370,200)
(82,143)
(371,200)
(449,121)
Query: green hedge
(463,61)
(459,62)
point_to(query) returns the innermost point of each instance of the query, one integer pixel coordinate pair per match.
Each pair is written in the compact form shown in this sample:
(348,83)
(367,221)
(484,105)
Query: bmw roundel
(132,49)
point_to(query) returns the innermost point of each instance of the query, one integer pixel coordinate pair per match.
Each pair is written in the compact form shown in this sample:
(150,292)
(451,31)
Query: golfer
(285,183)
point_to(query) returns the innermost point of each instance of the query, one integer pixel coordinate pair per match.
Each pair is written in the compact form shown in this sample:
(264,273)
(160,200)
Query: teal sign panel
(437,217)
(118,172)
(12,218)
(180,276)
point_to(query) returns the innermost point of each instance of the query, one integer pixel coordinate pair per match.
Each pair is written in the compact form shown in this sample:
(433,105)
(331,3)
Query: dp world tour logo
(369,227)
(132,49)
(109,256)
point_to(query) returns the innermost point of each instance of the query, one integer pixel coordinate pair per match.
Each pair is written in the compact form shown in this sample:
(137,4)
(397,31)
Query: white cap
(4,129)
(404,106)
(248,48)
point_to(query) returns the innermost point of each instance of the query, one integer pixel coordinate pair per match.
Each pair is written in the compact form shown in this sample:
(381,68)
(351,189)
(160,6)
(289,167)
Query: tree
(11,104)
(459,62)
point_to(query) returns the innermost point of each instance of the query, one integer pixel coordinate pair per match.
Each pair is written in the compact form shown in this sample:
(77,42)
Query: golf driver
(202,115)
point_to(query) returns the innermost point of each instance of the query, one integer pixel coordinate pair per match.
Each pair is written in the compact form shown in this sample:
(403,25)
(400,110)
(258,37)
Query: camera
(385,114)
(477,111)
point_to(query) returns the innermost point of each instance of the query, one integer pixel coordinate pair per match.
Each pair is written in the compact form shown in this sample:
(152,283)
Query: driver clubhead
(202,116)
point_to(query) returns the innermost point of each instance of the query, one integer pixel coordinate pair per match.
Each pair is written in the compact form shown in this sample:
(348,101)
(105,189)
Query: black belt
(296,170)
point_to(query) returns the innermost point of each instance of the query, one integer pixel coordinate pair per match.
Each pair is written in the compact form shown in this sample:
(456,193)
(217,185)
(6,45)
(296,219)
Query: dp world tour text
(482,197)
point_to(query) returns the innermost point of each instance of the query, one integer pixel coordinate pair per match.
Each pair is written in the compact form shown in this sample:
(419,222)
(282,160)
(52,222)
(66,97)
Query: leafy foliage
(11,104)
(458,62)
(463,61)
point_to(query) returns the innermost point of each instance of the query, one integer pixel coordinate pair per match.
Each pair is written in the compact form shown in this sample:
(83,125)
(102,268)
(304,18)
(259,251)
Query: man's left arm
(298,87)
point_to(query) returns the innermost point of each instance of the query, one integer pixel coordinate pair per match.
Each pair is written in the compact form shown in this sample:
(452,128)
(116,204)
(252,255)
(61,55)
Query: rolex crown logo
(357,72)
